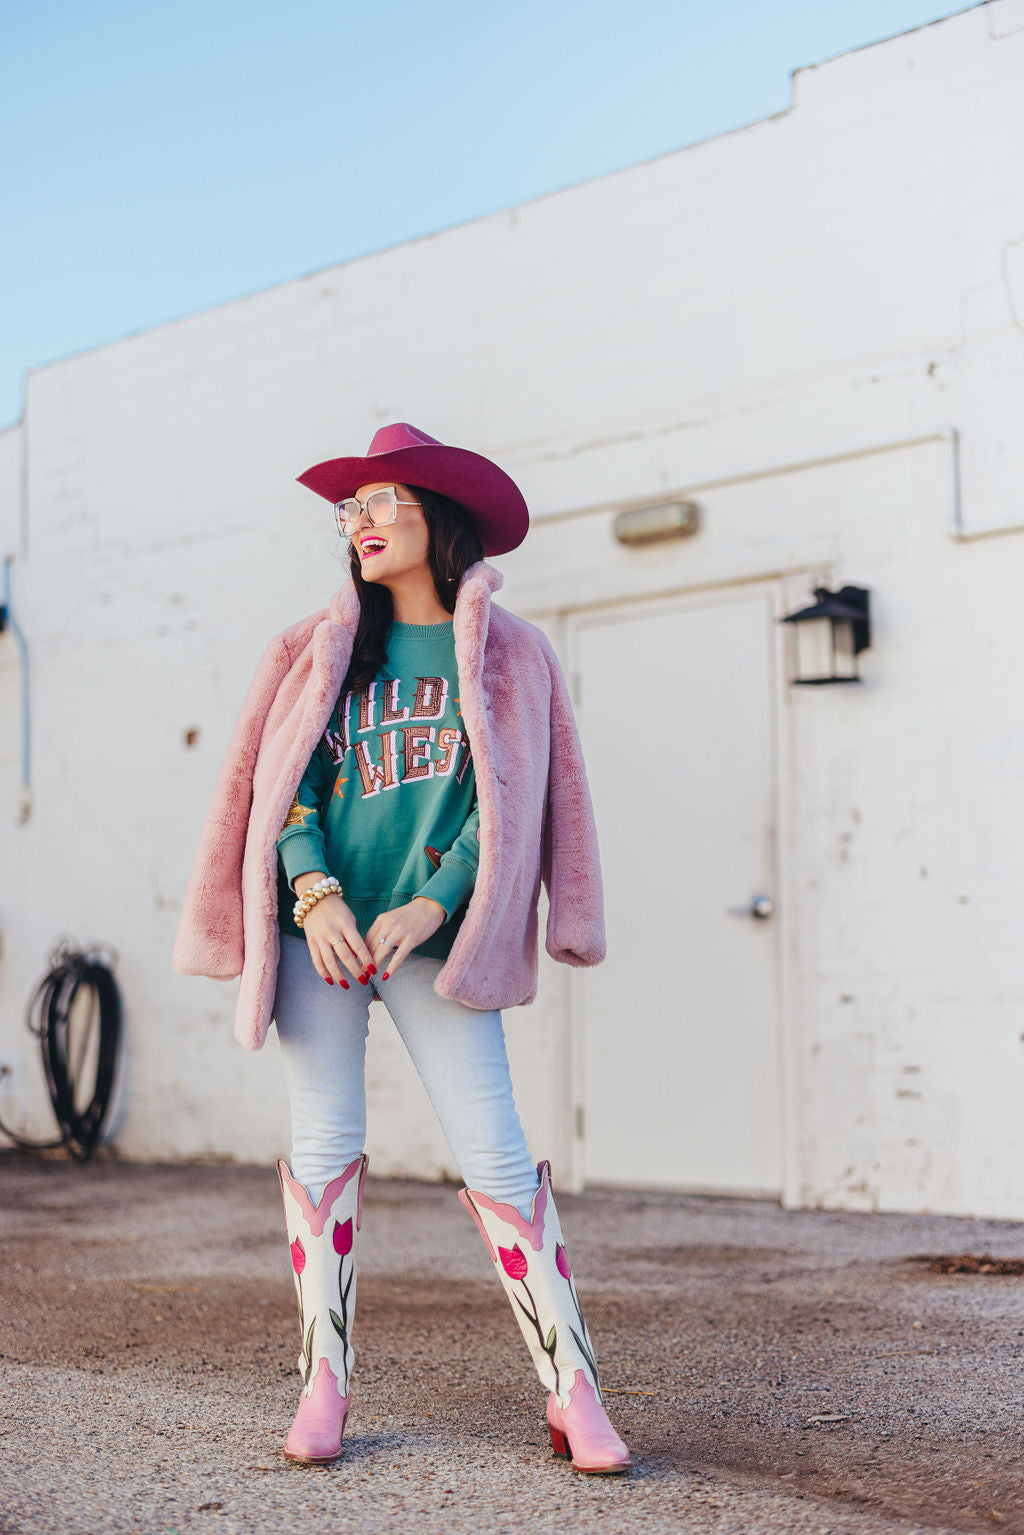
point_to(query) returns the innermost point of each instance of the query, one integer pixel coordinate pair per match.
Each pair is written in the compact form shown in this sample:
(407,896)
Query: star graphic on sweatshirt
(338,790)
(297,813)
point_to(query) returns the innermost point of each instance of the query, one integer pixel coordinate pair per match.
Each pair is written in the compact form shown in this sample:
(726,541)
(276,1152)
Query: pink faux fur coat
(536,816)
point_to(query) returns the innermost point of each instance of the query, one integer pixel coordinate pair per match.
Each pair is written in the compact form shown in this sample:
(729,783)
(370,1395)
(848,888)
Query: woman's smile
(370,545)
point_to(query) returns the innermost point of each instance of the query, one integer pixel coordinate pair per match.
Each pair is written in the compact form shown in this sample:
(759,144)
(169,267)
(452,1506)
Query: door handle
(760,907)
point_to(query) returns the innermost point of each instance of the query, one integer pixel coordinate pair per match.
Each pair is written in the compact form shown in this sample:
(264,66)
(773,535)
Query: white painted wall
(814,327)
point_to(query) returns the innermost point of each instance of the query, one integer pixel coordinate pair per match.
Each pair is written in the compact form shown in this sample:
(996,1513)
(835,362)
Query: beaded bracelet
(309,898)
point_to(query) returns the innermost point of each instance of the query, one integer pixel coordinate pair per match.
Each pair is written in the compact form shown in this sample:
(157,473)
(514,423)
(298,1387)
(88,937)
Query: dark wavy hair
(453,545)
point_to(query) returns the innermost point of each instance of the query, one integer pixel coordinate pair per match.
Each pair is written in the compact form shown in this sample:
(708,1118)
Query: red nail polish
(385,975)
(362,980)
(371,969)
(345,984)
(327,978)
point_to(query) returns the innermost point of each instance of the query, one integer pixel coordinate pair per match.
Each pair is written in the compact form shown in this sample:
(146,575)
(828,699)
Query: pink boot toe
(319,1424)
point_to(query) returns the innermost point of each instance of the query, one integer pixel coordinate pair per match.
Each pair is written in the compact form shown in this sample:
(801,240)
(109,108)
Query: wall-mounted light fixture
(829,636)
(649,524)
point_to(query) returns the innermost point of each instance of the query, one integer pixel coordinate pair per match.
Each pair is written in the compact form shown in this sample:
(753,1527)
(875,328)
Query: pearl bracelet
(309,898)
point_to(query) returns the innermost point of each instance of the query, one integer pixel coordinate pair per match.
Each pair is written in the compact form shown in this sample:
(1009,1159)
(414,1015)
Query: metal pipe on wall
(25,806)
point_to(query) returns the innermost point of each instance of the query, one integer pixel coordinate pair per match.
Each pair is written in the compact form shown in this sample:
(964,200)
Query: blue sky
(164,158)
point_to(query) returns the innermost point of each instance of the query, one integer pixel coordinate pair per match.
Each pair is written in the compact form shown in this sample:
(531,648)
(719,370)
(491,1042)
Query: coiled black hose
(48,1016)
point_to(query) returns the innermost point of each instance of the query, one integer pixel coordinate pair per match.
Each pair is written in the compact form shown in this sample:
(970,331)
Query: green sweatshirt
(388,801)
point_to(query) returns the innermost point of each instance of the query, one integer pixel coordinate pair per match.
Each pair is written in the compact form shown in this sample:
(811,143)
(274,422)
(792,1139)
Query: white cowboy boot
(532,1264)
(322,1238)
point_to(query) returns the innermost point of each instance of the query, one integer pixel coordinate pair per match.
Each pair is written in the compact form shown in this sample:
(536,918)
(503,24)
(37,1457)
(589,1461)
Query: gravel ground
(771,1370)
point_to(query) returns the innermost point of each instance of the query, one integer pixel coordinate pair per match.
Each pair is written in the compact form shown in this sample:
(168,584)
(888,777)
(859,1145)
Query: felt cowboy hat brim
(405,455)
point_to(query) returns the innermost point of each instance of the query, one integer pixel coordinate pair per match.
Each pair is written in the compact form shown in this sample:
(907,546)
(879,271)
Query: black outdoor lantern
(829,636)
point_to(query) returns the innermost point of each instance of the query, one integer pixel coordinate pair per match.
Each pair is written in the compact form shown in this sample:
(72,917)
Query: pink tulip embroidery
(513,1261)
(298,1253)
(339,1320)
(562,1260)
(342,1238)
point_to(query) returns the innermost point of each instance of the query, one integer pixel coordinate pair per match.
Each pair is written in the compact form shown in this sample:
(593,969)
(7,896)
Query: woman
(404,774)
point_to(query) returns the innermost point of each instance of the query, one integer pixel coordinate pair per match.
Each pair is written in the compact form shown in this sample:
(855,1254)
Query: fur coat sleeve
(570,864)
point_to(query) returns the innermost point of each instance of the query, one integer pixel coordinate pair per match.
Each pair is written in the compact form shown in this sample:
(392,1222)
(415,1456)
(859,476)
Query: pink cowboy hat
(403,453)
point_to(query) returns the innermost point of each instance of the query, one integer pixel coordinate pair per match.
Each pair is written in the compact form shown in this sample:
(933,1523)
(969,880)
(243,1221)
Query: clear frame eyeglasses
(380,506)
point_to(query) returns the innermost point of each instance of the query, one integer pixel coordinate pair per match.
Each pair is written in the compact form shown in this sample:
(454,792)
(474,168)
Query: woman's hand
(402,930)
(334,940)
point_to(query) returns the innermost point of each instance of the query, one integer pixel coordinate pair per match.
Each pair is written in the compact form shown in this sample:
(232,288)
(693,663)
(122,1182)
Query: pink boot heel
(559,1443)
(582,1433)
(319,1424)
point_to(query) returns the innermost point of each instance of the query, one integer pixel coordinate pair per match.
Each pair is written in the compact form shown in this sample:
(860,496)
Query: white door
(678,1027)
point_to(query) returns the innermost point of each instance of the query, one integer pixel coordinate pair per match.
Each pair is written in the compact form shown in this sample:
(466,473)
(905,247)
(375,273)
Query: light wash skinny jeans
(459,1052)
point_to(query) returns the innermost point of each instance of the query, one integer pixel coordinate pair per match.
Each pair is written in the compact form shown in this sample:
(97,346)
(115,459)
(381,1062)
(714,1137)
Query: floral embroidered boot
(532,1264)
(322,1239)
